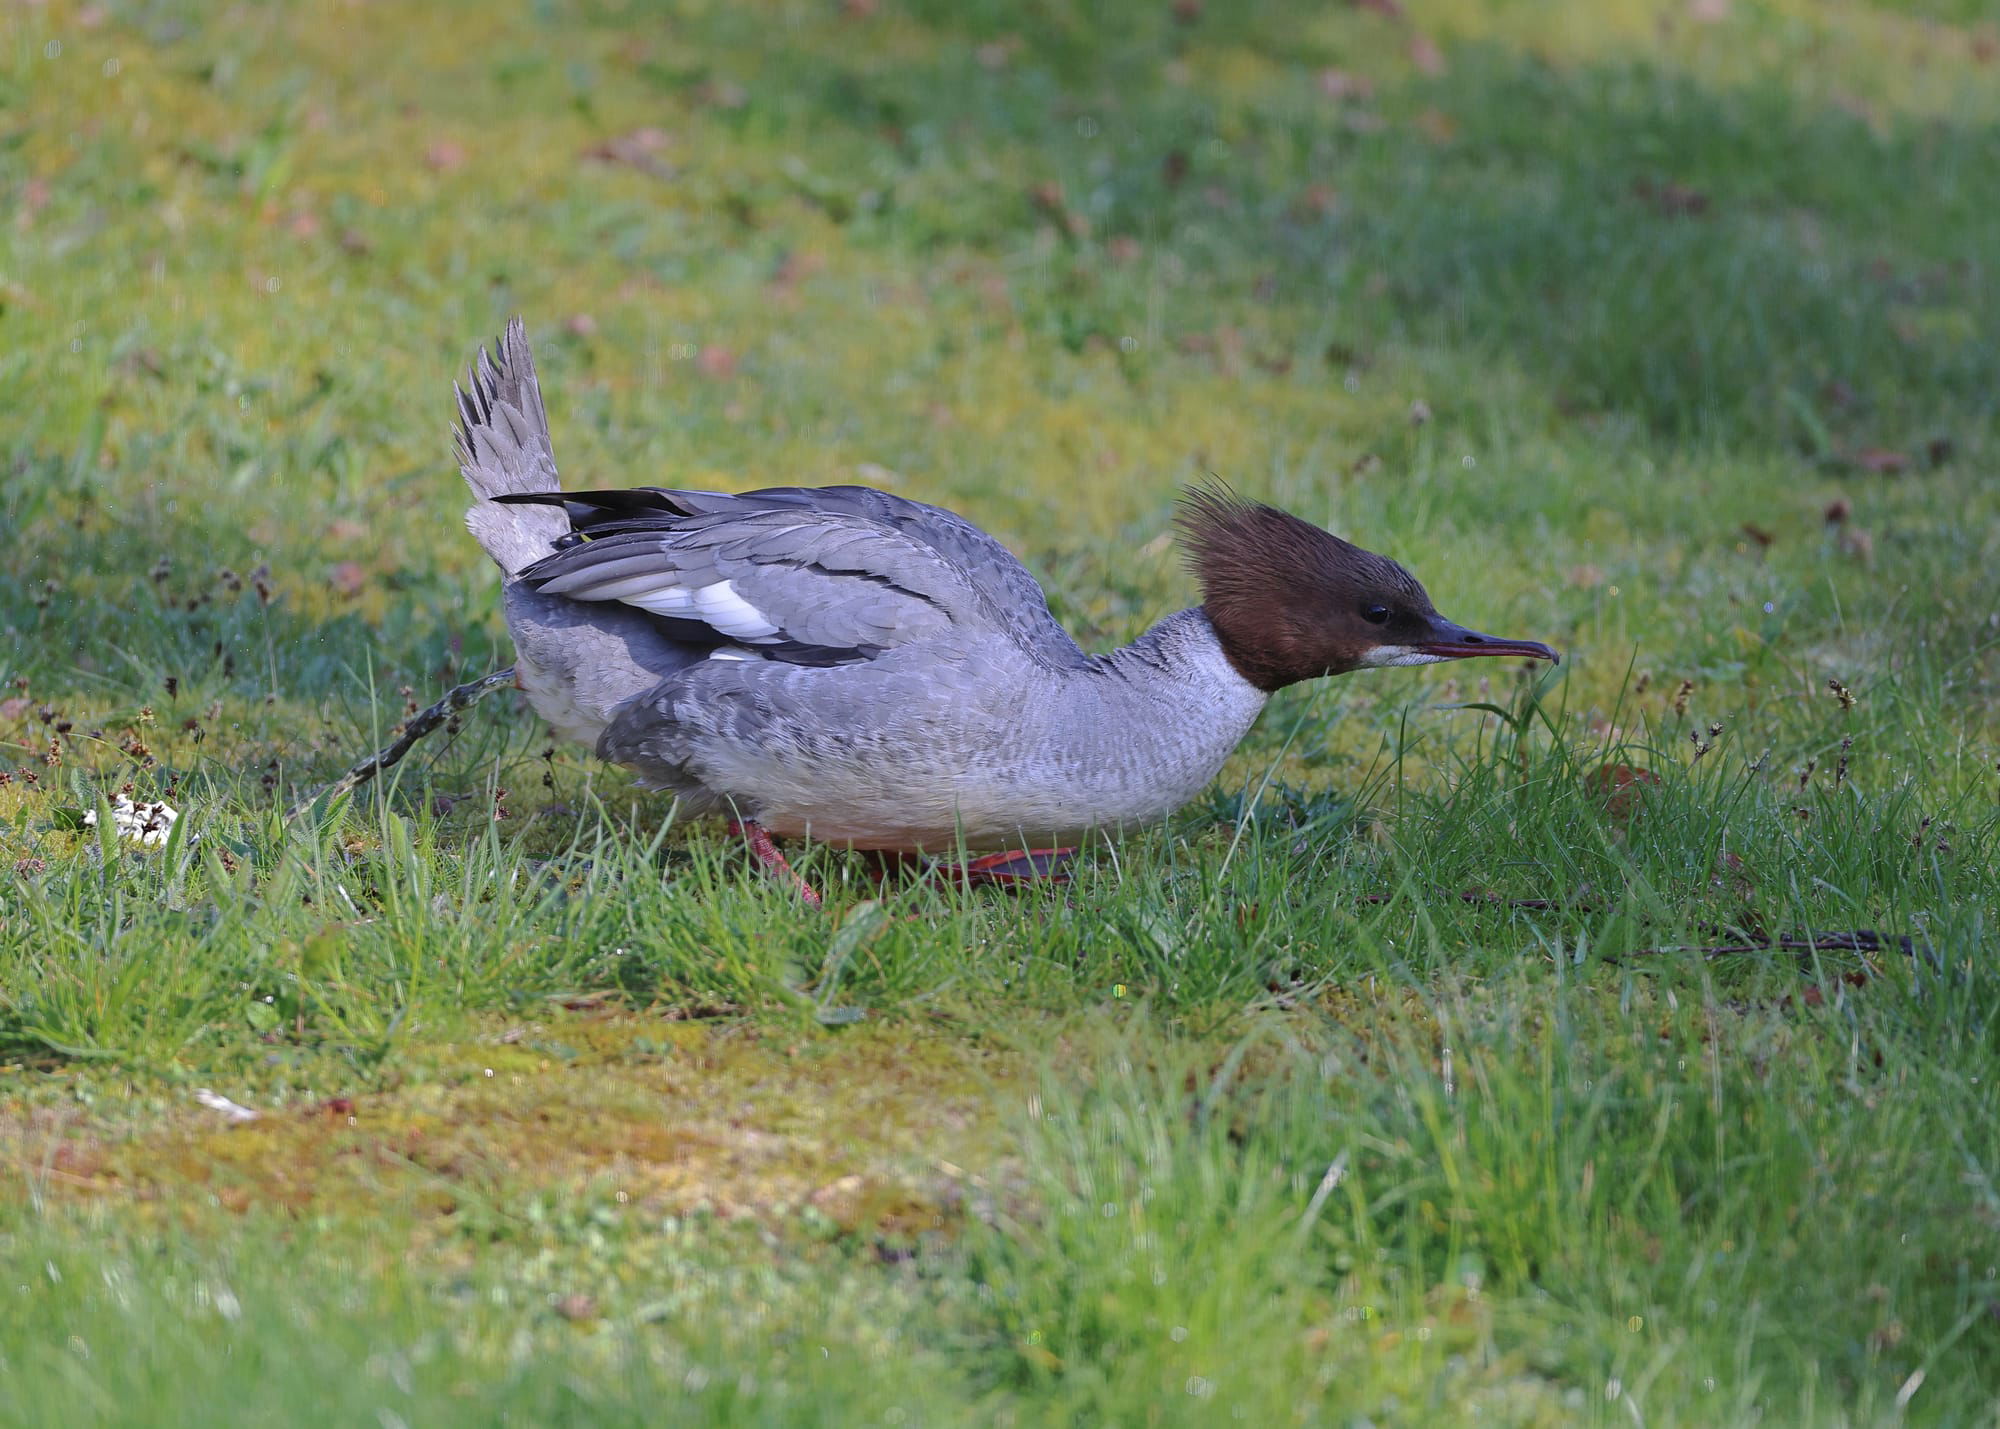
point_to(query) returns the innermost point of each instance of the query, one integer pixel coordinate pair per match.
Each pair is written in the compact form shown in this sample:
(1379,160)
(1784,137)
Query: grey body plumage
(865,669)
(847,664)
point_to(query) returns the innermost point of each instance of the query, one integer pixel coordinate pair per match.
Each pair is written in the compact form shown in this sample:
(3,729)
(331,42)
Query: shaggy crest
(1289,600)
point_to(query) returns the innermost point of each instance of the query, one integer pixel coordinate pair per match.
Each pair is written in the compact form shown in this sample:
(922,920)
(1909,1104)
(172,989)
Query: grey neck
(1149,724)
(1183,648)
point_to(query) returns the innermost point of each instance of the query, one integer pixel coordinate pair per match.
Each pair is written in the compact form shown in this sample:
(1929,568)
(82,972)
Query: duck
(867,671)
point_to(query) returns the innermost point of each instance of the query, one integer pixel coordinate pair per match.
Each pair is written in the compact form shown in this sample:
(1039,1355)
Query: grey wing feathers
(989,566)
(807,587)
(996,588)
(502,440)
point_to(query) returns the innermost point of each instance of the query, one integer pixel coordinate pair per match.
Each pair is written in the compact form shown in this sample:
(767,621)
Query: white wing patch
(721,607)
(717,605)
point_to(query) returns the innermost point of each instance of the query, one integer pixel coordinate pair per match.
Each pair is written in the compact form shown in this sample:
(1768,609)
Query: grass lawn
(1609,1044)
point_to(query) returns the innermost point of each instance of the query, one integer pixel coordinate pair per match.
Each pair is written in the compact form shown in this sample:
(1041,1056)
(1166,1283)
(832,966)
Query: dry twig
(462,697)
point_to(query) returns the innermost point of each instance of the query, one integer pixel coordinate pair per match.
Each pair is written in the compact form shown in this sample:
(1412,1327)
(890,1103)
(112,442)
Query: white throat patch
(1385,655)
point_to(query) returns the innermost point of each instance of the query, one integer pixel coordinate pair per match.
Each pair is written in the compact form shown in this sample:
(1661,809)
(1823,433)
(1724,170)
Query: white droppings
(148,824)
(234,1112)
(733,652)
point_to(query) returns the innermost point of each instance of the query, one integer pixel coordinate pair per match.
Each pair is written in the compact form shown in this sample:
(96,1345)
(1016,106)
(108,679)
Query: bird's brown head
(1292,602)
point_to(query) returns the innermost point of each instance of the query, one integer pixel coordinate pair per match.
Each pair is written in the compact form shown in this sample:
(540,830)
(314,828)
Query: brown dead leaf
(834,1191)
(639,149)
(721,94)
(1857,108)
(35,196)
(1884,1337)
(1758,535)
(794,268)
(348,578)
(12,294)
(1670,199)
(1437,126)
(997,54)
(1341,84)
(1049,201)
(1621,787)
(840,1201)
(1883,461)
(82,1159)
(1315,200)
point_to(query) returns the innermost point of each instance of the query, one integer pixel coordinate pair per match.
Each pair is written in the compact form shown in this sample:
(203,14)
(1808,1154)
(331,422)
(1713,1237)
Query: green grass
(1592,314)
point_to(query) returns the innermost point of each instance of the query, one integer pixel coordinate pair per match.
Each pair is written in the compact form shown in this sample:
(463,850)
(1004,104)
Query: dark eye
(1375,614)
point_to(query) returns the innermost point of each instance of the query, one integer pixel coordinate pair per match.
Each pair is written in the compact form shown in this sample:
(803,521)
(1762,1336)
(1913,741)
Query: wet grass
(1444,1063)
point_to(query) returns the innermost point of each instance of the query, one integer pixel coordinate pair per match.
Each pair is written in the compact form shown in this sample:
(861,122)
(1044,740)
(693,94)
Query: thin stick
(1495,900)
(463,697)
(1861,940)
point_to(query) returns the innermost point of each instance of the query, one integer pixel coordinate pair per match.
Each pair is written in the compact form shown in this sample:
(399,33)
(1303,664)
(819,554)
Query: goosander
(876,673)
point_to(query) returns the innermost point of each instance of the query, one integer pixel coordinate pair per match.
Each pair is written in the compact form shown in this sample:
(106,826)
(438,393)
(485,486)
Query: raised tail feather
(502,437)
